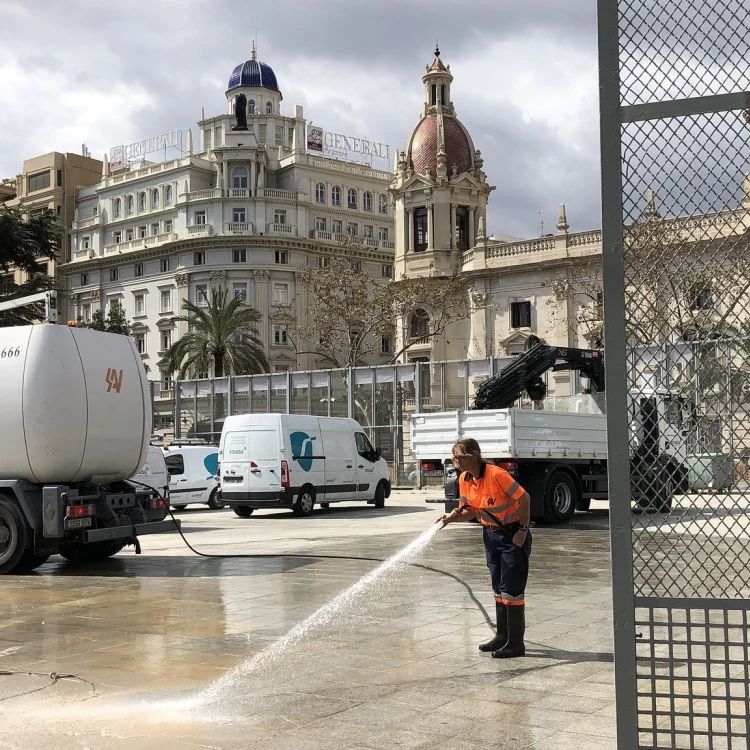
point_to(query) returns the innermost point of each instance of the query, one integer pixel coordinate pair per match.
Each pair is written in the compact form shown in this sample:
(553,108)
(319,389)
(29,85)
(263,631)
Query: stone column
(224,175)
(453,226)
(410,220)
(472,227)
(430,229)
(253,176)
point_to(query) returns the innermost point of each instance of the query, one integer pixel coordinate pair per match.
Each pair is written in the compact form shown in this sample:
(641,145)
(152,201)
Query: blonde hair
(467,447)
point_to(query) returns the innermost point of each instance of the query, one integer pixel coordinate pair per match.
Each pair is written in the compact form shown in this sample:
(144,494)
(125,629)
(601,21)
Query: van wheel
(179,507)
(215,502)
(15,534)
(243,511)
(380,495)
(560,498)
(305,502)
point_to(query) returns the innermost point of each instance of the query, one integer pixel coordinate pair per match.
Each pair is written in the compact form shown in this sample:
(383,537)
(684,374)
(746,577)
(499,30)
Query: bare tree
(351,312)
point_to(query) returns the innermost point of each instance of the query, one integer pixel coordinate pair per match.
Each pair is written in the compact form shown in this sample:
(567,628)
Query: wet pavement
(398,668)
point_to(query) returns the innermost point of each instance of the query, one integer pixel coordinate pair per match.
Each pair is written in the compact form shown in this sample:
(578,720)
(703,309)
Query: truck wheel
(179,507)
(583,503)
(215,502)
(380,495)
(243,511)
(305,502)
(94,552)
(560,498)
(15,534)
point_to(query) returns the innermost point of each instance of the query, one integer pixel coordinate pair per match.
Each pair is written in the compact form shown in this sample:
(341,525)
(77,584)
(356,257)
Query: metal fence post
(350,392)
(177,409)
(618,467)
(288,392)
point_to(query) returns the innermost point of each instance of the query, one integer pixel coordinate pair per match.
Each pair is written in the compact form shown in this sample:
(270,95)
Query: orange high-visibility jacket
(494,495)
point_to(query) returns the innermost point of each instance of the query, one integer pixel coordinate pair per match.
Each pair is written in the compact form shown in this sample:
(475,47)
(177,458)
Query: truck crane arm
(48,297)
(525,374)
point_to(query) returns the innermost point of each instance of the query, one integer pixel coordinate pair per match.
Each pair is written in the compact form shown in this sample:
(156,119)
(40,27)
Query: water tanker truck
(75,424)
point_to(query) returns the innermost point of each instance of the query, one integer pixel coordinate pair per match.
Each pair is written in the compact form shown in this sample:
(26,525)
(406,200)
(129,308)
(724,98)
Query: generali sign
(338,144)
(120,155)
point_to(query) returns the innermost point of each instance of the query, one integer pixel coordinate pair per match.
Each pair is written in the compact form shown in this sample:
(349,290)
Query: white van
(293,461)
(193,472)
(153,473)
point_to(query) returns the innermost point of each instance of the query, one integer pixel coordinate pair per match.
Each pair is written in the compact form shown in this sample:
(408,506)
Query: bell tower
(440,191)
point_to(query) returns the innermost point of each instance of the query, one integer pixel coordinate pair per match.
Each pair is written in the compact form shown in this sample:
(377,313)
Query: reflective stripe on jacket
(493,494)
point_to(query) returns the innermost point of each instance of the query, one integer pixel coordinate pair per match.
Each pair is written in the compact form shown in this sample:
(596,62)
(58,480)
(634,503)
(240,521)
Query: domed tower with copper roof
(439,189)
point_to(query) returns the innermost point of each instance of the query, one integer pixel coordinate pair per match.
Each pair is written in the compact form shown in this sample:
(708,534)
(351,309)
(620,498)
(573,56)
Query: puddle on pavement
(234,696)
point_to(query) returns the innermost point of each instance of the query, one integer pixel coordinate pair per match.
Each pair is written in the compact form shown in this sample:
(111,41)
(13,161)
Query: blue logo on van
(301,448)
(211,462)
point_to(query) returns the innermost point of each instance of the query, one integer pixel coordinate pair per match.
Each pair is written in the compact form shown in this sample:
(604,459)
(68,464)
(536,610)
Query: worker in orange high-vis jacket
(491,495)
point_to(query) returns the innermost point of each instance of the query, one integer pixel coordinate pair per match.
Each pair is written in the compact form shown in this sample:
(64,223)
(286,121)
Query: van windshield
(260,446)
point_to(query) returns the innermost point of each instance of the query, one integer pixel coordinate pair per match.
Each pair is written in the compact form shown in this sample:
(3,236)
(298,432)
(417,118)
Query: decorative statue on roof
(240,112)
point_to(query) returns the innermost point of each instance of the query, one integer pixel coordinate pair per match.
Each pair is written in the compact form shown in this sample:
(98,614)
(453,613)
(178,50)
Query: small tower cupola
(437,85)
(257,82)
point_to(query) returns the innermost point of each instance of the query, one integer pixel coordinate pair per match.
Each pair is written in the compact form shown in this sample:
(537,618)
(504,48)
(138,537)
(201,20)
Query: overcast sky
(525,81)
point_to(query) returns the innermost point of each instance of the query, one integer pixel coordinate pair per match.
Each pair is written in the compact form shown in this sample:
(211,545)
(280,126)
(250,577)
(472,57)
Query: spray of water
(385,572)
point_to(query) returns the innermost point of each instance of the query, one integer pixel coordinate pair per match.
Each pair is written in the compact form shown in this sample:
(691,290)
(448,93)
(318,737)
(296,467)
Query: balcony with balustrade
(142,243)
(239,227)
(282,230)
(552,247)
(336,238)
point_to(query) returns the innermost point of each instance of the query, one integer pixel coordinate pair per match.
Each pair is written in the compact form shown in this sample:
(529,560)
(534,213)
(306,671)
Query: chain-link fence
(675,149)
(381,399)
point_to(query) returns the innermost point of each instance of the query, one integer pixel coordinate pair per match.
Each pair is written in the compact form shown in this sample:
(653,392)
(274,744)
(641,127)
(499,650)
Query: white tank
(75,405)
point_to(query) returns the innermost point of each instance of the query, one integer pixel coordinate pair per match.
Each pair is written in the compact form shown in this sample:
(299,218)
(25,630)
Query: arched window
(335,195)
(351,198)
(142,201)
(130,204)
(240,178)
(251,107)
(367,201)
(269,108)
(383,204)
(118,207)
(419,325)
(155,198)
(320,193)
(168,195)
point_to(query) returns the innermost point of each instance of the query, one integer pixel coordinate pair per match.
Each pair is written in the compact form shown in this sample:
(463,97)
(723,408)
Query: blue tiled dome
(253,74)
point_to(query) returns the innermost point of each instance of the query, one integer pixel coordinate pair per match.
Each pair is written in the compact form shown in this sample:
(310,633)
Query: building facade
(249,209)
(49,183)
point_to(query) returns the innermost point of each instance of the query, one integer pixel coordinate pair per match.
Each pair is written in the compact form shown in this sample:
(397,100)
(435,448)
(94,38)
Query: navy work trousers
(508,564)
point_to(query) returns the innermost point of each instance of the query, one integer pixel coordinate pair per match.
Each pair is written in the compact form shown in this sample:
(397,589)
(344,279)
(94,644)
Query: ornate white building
(246,208)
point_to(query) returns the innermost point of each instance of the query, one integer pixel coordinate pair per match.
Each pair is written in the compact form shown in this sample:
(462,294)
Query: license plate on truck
(77,523)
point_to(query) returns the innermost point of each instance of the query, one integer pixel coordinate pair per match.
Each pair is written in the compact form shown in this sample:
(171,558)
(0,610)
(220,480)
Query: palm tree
(222,335)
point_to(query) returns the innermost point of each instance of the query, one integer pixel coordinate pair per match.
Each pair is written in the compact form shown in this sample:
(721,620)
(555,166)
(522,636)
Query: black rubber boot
(502,630)
(516,628)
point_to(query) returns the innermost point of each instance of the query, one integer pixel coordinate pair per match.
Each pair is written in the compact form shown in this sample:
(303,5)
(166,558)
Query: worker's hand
(449,517)
(520,537)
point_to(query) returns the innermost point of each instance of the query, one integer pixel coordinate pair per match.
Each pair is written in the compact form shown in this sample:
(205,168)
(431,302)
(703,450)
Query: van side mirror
(377,452)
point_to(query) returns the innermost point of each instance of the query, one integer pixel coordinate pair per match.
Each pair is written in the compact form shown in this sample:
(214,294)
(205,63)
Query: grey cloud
(176,51)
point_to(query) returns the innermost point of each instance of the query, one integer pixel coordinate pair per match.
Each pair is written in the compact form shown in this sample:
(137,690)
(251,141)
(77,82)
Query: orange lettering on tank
(114,380)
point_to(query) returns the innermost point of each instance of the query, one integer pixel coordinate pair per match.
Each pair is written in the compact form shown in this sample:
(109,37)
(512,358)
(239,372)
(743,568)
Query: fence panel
(676,199)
